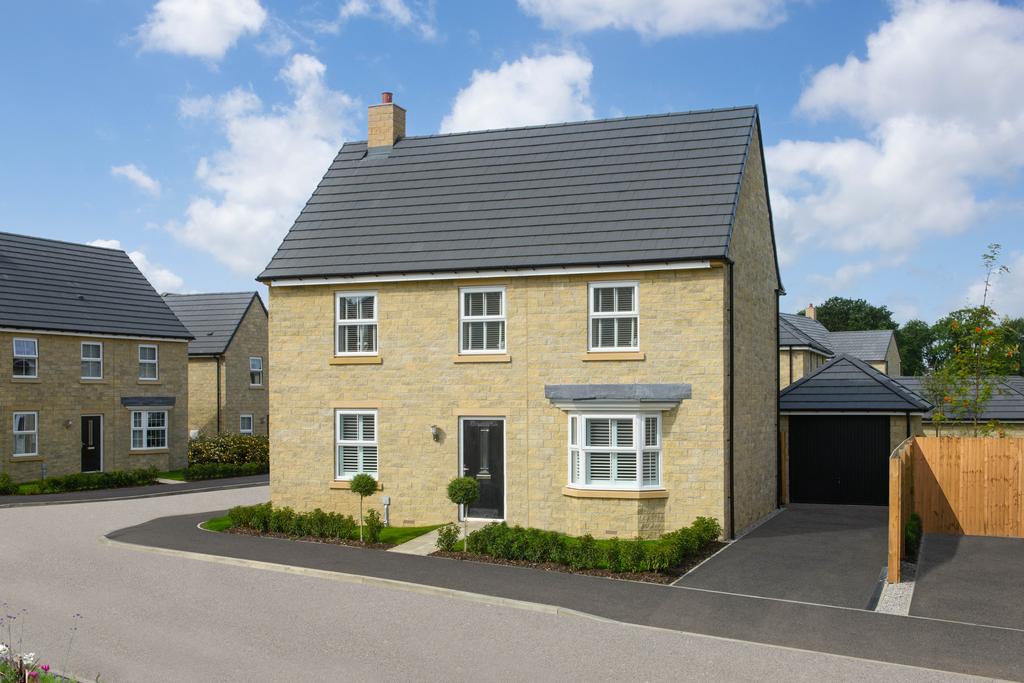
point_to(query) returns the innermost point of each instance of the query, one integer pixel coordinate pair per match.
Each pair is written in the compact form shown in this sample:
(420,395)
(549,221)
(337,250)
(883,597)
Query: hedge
(98,480)
(537,546)
(320,524)
(229,449)
(216,470)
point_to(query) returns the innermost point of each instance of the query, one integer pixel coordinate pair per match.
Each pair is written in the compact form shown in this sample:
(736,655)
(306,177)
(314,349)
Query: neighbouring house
(1005,410)
(228,375)
(805,345)
(93,363)
(581,316)
(838,426)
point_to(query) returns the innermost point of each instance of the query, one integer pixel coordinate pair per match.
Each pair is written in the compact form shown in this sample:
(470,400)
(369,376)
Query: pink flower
(33,674)
(45,667)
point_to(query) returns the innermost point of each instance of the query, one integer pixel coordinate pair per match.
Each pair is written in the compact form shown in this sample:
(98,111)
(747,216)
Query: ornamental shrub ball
(464,491)
(364,485)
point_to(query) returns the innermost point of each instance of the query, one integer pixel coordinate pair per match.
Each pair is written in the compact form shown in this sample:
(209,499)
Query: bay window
(149,429)
(621,451)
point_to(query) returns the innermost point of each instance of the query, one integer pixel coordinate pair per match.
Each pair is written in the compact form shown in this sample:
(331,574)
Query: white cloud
(162,279)
(842,278)
(200,28)
(273,161)
(938,95)
(530,91)
(138,177)
(657,18)
(1006,294)
(418,16)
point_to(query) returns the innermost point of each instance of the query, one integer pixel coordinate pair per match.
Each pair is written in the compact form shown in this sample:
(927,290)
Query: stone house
(581,316)
(93,369)
(228,375)
(1004,410)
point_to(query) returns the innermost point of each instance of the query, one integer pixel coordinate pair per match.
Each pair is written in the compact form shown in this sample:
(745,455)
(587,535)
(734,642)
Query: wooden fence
(958,485)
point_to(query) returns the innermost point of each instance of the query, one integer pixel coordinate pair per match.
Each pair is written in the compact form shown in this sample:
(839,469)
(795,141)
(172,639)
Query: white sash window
(356,447)
(621,451)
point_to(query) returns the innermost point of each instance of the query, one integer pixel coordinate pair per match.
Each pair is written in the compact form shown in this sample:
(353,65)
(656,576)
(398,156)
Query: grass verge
(390,535)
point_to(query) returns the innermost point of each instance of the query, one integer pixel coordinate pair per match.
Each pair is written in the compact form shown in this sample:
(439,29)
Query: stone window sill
(93,381)
(151,451)
(613,355)
(257,387)
(614,493)
(26,380)
(483,358)
(356,360)
(346,485)
(27,458)
(150,382)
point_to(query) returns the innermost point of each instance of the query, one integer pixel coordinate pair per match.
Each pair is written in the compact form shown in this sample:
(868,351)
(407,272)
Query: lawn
(391,534)
(174,475)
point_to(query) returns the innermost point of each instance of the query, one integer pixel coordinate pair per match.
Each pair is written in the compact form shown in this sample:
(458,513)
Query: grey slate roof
(795,333)
(867,345)
(848,384)
(212,319)
(1006,404)
(618,191)
(617,392)
(65,287)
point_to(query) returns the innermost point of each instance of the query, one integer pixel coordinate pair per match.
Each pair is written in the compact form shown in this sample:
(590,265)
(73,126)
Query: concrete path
(158,617)
(171,489)
(427,543)
(979,579)
(842,631)
(825,554)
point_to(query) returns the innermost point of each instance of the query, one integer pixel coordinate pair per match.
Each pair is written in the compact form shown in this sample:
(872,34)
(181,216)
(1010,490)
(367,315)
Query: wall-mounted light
(67,424)
(435,432)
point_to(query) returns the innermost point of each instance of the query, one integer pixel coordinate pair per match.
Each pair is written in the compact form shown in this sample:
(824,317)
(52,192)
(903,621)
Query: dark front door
(483,458)
(92,443)
(839,459)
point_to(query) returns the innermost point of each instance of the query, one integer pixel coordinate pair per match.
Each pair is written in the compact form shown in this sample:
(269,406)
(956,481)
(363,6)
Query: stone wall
(61,398)
(202,394)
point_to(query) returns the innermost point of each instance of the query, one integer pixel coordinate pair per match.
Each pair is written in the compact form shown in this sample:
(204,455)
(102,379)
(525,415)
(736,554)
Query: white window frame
(465,317)
(592,315)
(576,443)
(145,429)
(338,322)
(251,370)
(241,421)
(145,361)
(339,474)
(35,357)
(17,433)
(90,360)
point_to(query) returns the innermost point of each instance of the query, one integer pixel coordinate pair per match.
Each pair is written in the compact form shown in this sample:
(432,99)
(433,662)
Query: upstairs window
(245,424)
(482,320)
(614,317)
(26,434)
(149,429)
(26,358)
(356,324)
(92,360)
(356,443)
(149,362)
(255,371)
(615,451)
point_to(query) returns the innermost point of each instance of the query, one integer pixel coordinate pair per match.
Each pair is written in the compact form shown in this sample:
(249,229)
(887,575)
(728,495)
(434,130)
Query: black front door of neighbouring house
(839,459)
(92,443)
(483,458)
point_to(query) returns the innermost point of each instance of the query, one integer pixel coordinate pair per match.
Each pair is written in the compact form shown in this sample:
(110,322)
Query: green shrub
(447,537)
(260,519)
(319,524)
(464,491)
(682,543)
(282,520)
(374,525)
(660,557)
(90,481)
(7,487)
(586,554)
(363,485)
(215,470)
(912,534)
(707,529)
(229,449)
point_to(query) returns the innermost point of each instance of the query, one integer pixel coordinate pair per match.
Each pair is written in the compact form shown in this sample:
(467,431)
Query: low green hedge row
(217,470)
(88,481)
(7,486)
(318,524)
(535,545)
(229,449)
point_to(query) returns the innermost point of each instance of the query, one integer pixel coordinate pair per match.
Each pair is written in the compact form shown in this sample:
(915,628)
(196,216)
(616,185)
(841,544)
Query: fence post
(895,516)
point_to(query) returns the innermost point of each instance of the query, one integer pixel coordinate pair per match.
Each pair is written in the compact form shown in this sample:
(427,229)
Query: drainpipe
(732,399)
(217,360)
(908,424)
(778,445)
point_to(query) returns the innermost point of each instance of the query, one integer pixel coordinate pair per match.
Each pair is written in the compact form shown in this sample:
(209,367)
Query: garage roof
(848,384)
(1006,404)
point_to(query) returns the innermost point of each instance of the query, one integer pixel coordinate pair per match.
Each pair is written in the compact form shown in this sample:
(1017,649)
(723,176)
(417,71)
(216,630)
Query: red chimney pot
(385,98)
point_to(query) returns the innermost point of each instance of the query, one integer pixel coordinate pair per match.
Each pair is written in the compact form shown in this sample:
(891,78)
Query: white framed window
(621,451)
(245,424)
(356,324)
(614,316)
(149,430)
(482,320)
(26,434)
(256,371)
(356,436)
(92,360)
(149,362)
(26,358)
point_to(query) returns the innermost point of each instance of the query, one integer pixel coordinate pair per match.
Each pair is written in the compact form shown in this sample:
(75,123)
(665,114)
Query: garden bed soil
(241,531)
(665,577)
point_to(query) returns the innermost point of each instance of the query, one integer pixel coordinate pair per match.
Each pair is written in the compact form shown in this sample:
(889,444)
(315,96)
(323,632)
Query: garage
(838,427)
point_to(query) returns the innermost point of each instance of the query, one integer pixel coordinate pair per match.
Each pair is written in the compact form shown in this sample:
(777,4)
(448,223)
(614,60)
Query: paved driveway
(824,554)
(976,579)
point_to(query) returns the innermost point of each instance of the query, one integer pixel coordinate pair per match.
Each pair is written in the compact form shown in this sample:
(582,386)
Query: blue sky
(191,132)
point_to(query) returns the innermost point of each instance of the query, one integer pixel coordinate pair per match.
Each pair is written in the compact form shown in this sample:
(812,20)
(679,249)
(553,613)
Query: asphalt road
(156,617)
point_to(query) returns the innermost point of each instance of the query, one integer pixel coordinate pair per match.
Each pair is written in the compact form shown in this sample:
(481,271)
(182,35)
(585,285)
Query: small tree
(364,485)
(464,491)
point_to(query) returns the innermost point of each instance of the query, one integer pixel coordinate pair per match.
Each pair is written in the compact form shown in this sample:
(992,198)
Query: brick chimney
(386,125)
(811,312)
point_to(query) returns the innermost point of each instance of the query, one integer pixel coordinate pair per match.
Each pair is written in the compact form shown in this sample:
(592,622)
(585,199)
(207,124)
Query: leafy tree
(840,314)
(364,485)
(915,339)
(464,491)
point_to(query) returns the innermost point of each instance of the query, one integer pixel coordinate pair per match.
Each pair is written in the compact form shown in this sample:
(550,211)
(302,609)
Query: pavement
(163,489)
(160,616)
(978,579)
(835,630)
(824,554)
